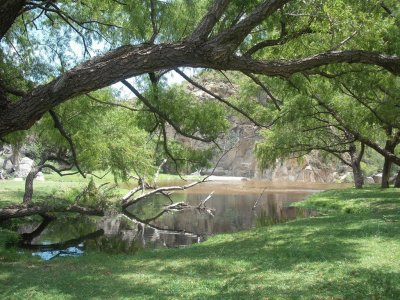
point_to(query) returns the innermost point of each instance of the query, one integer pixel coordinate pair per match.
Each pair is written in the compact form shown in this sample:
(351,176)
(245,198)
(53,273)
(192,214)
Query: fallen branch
(179,206)
(258,199)
(127,202)
(18,211)
(143,223)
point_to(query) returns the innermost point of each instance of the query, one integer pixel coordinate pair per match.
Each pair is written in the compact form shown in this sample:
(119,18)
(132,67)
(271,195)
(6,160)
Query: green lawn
(352,251)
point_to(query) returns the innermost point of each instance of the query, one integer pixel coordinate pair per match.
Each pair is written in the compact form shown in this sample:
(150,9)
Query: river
(233,206)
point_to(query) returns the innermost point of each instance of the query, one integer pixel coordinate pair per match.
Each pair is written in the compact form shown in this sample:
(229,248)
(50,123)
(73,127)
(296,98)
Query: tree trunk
(15,156)
(397,181)
(387,166)
(358,175)
(23,211)
(9,11)
(29,185)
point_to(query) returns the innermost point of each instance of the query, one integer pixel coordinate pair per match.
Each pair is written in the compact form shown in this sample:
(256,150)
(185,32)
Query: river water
(233,206)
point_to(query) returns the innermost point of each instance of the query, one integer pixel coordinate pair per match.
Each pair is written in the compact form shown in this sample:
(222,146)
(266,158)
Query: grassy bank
(352,251)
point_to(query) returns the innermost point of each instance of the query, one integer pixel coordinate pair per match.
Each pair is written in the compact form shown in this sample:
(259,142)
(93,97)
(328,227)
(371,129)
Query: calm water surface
(234,206)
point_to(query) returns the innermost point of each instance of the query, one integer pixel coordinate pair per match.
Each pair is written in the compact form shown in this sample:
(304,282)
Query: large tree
(272,37)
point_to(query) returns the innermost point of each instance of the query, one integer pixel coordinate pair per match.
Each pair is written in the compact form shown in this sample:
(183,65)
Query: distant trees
(338,113)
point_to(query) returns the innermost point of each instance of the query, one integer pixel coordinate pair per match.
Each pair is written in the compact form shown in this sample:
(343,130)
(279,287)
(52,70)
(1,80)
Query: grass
(352,251)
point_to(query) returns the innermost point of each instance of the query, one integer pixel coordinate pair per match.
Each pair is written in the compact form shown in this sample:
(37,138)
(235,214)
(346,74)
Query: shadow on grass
(306,258)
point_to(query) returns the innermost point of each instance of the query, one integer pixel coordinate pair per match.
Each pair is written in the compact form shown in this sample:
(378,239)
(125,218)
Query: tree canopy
(53,51)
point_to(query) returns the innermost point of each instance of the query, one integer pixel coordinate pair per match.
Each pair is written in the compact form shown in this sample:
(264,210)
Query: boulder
(369,180)
(217,172)
(25,167)
(377,178)
(346,178)
(8,166)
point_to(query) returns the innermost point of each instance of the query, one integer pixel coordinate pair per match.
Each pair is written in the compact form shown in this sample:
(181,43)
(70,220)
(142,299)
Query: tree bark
(387,166)
(356,165)
(29,185)
(23,211)
(358,175)
(15,156)
(9,11)
(397,180)
(390,145)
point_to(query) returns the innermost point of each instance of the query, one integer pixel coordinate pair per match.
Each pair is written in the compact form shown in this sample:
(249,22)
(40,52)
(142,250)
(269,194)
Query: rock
(25,167)
(26,161)
(377,178)
(369,180)
(346,178)
(217,172)
(18,179)
(8,166)
(242,136)
(308,168)
(39,176)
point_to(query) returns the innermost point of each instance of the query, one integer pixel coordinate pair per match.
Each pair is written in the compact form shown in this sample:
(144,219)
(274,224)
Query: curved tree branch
(207,23)
(61,129)
(160,113)
(220,99)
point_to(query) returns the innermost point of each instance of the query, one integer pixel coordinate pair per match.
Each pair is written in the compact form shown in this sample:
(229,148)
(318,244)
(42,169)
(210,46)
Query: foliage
(105,138)
(8,238)
(332,113)
(190,118)
(96,196)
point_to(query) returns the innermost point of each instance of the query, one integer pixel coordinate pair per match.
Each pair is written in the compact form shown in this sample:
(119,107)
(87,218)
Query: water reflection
(232,212)
(148,225)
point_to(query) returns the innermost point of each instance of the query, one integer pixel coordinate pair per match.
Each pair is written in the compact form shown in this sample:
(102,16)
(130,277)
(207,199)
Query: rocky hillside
(241,161)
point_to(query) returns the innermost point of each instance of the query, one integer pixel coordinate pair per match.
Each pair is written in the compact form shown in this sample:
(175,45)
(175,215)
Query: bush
(8,238)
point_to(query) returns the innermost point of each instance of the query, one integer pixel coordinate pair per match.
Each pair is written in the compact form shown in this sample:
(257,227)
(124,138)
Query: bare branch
(113,104)
(164,161)
(162,114)
(283,39)
(128,202)
(59,171)
(234,36)
(265,88)
(207,23)
(60,127)
(143,223)
(22,210)
(363,103)
(153,14)
(386,8)
(191,81)
(344,41)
